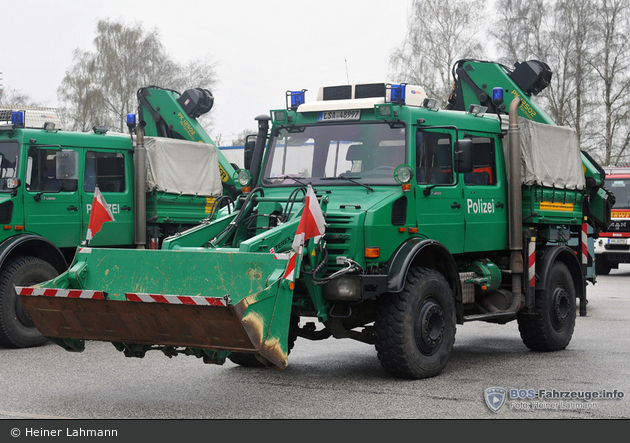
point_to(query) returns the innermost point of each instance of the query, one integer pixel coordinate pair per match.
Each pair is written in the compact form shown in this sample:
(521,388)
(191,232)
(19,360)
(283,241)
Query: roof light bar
(17,119)
(297,98)
(397,94)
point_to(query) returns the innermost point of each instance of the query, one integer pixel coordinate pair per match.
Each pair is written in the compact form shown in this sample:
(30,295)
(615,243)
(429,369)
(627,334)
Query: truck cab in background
(613,246)
(48,177)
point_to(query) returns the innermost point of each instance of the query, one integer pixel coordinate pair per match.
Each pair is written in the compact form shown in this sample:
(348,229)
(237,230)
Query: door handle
(499,205)
(126,208)
(72,208)
(456,205)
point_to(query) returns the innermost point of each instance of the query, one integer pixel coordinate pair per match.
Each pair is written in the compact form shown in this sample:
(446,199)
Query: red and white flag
(312,223)
(289,274)
(99,214)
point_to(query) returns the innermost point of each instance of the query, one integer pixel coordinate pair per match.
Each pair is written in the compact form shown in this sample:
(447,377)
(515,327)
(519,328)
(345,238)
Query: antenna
(347,76)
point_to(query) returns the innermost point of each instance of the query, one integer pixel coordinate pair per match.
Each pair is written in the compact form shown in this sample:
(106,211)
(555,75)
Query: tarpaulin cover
(550,155)
(182,167)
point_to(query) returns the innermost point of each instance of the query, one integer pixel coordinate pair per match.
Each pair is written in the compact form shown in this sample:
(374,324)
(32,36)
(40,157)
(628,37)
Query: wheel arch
(34,246)
(566,255)
(428,254)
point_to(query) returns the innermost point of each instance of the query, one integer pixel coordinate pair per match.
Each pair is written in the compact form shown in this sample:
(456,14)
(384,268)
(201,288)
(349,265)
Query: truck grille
(6,212)
(617,247)
(619,226)
(338,238)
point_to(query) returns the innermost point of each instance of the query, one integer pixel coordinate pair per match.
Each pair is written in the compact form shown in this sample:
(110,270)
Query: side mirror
(248,154)
(464,156)
(66,164)
(12,183)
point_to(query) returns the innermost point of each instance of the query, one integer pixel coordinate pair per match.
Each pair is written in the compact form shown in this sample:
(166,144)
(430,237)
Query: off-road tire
(550,327)
(415,329)
(245,359)
(602,266)
(16,327)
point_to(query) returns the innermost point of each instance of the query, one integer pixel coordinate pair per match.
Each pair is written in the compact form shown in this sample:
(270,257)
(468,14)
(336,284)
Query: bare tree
(586,44)
(81,95)
(575,42)
(612,65)
(439,32)
(520,33)
(14,97)
(100,87)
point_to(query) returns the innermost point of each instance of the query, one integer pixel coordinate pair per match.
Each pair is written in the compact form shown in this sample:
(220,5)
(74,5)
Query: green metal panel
(251,312)
(486,206)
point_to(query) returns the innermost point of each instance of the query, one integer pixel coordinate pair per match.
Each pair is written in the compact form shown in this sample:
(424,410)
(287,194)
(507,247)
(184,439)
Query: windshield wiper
(284,177)
(350,179)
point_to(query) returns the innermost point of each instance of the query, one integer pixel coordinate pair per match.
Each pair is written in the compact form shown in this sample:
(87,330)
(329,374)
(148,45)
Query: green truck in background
(47,183)
(432,218)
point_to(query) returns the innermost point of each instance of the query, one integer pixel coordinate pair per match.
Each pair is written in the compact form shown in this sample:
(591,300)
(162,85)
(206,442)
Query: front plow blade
(233,301)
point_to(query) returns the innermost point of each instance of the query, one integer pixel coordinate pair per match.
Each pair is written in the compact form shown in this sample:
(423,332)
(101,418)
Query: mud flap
(252,316)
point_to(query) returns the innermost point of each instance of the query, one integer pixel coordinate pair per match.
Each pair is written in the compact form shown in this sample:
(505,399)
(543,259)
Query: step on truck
(372,215)
(613,246)
(48,178)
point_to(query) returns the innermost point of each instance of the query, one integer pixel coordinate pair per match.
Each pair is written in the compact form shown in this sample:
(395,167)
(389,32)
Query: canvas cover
(182,167)
(550,155)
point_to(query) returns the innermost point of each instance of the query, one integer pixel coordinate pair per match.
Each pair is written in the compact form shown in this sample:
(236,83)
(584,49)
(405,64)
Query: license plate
(331,116)
(617,241)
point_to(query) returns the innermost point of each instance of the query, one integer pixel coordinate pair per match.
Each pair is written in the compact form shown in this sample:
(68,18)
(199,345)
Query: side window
(484,161)
(434,158)
(51,170)
(105,170)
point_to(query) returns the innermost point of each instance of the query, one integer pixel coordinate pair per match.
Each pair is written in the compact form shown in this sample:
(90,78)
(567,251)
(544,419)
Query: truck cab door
(439,205)
(111,171)
(51,198)
(485,199)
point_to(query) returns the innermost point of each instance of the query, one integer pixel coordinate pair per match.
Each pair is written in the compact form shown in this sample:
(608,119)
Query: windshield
(9,154)
(335,154)
(621,188)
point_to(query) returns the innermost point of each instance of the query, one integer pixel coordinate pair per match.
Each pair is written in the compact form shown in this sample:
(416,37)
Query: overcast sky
(261,48)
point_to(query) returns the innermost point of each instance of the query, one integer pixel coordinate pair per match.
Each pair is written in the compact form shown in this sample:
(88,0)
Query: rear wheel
(550,327)
(415,329)
(16,327)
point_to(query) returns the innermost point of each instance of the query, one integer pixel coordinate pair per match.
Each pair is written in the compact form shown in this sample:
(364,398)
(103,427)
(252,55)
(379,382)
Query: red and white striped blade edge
(68,293)
(176,299)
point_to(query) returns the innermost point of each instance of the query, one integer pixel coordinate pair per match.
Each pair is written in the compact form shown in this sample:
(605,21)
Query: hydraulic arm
(474,84)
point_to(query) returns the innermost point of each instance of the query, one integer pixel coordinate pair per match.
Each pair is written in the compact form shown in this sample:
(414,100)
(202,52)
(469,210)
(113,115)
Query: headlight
(243,177)
(403,174)
(346,287)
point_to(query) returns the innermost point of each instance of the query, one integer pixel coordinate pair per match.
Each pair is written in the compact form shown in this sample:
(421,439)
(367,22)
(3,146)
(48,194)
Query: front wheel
(17,330)
(602,266)
(550,326)
(415,329)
